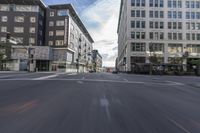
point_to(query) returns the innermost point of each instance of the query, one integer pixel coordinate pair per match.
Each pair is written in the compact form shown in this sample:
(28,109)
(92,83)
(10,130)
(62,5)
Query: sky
(101,19)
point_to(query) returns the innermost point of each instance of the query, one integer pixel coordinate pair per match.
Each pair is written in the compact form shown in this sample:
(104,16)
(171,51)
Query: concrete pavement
(98,103)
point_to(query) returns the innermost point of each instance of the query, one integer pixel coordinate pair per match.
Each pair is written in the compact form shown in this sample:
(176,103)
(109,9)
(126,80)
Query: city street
(98,103)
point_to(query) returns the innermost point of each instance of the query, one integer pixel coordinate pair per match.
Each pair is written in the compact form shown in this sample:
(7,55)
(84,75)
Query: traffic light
(8,36)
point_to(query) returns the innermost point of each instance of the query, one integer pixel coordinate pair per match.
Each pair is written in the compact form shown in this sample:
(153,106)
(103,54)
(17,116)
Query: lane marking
(177,83)
(178,125)
(125,80)
(72,74)
(80,82)
(105,104)
(46,77)
(14,75)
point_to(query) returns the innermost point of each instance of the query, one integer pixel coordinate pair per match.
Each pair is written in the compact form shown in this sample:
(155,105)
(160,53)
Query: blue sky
(101,19)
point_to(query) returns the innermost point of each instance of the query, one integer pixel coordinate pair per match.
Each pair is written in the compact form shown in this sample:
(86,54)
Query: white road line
(46,77)
(105,104)
(20,74)
(72,74)
(178,125)
(125,80)
(177,83)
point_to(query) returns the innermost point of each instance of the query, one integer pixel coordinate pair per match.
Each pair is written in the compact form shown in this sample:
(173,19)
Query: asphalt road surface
(98,103)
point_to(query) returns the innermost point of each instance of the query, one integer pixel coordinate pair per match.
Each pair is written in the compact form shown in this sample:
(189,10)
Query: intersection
(98,103)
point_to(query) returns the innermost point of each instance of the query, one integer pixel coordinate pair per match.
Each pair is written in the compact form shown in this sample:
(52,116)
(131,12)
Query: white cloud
(102,20)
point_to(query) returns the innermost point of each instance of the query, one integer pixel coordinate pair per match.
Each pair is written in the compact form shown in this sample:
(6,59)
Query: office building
(159,32)
(44,38)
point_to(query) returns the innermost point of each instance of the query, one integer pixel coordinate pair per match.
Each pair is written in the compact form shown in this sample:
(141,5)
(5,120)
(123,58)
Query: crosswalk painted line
(46,77)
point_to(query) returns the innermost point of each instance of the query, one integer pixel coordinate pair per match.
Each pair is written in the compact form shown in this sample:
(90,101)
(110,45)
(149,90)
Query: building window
(174,3)
(188,36)
(137,35)
(179,25)
(151,14)
(169,14)
(3,29)
(193,26)
(4,19)
(60,23)
(198,37)
(151,24)
(32,30)
(151,35)
(175,48)
(180,36)
(32,19)
(161,3)
(156,3)
(62,13)
(169,36)
(156,25)
(143,35)
(193,48)
(161,35)
(187,15)
(50,43)
(137,24)
(133,13)
(179,4)
(50,33)
(137,2)
(151,3)
(138,47)
(180,15)
(198,15)
(174,14)
(169,25)
(138,13)
(143,24)
(193,36)
(52,14)
(132,2)
(193,15)
(198,26)
(161,14)
(133,35)
(19,29)
(132,24)
(143,2)
(197,4)
(156,35)
(143,14)
(59,42)
(51,23)
(169,3)
(192,4)
(174,25)
(187,4)
(19,19)
(156,47)
(174,36)
(161,25)
(156,14)
(187,25)
(32,40)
